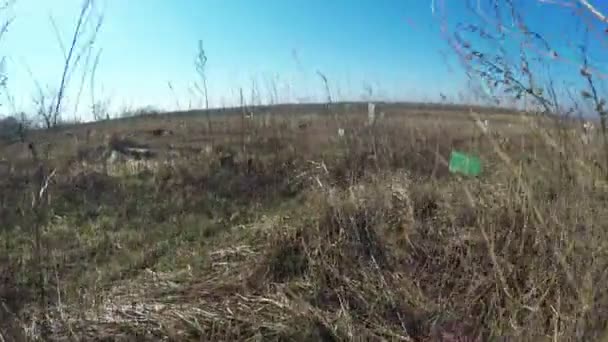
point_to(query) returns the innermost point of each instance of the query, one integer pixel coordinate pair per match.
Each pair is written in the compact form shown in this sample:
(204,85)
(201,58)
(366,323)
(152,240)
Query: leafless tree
(87,27)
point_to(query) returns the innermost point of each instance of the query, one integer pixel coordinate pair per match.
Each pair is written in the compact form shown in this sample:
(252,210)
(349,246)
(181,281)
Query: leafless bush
(143,111)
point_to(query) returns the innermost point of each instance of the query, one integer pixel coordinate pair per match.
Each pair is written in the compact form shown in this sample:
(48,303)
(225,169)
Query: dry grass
(284,231)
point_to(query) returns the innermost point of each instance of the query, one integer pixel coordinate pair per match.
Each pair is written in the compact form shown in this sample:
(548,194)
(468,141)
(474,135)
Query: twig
(594,11)
(201,69)
(58,37)
(45,185)
(170,85)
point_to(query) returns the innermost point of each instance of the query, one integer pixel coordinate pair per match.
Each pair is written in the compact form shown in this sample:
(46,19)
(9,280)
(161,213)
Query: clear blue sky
(393,45)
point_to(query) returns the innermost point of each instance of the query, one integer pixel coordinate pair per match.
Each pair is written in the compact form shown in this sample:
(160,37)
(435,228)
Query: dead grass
(286,231)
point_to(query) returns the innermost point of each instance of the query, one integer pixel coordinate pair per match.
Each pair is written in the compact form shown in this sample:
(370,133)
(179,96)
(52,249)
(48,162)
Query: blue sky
(394,46)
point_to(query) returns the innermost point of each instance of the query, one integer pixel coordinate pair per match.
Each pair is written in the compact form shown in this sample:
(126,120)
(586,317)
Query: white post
(371,113)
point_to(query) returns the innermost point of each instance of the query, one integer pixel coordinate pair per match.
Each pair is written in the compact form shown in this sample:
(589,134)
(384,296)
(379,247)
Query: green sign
(464,164)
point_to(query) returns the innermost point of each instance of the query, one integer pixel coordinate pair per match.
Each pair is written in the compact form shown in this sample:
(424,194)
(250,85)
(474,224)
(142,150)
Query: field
(221,226)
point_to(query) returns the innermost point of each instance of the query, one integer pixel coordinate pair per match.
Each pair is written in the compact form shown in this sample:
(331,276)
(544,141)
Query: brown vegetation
(276,232)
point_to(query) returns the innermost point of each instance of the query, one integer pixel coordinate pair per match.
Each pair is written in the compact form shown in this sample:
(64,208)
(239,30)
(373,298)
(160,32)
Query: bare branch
(58,37)
(201,65)
(66,67)
(82,79)
(170,85)
(3,29)
(99,110)
(326,84)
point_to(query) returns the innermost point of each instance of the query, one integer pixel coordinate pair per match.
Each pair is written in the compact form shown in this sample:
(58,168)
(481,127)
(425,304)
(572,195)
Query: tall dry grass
(285,230)
(305,235)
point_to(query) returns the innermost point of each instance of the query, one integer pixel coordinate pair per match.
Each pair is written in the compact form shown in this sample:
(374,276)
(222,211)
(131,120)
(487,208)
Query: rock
(130,148)
(161,132)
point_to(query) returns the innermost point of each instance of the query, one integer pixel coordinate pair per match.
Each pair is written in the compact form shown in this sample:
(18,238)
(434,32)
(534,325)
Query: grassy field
(275,227)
